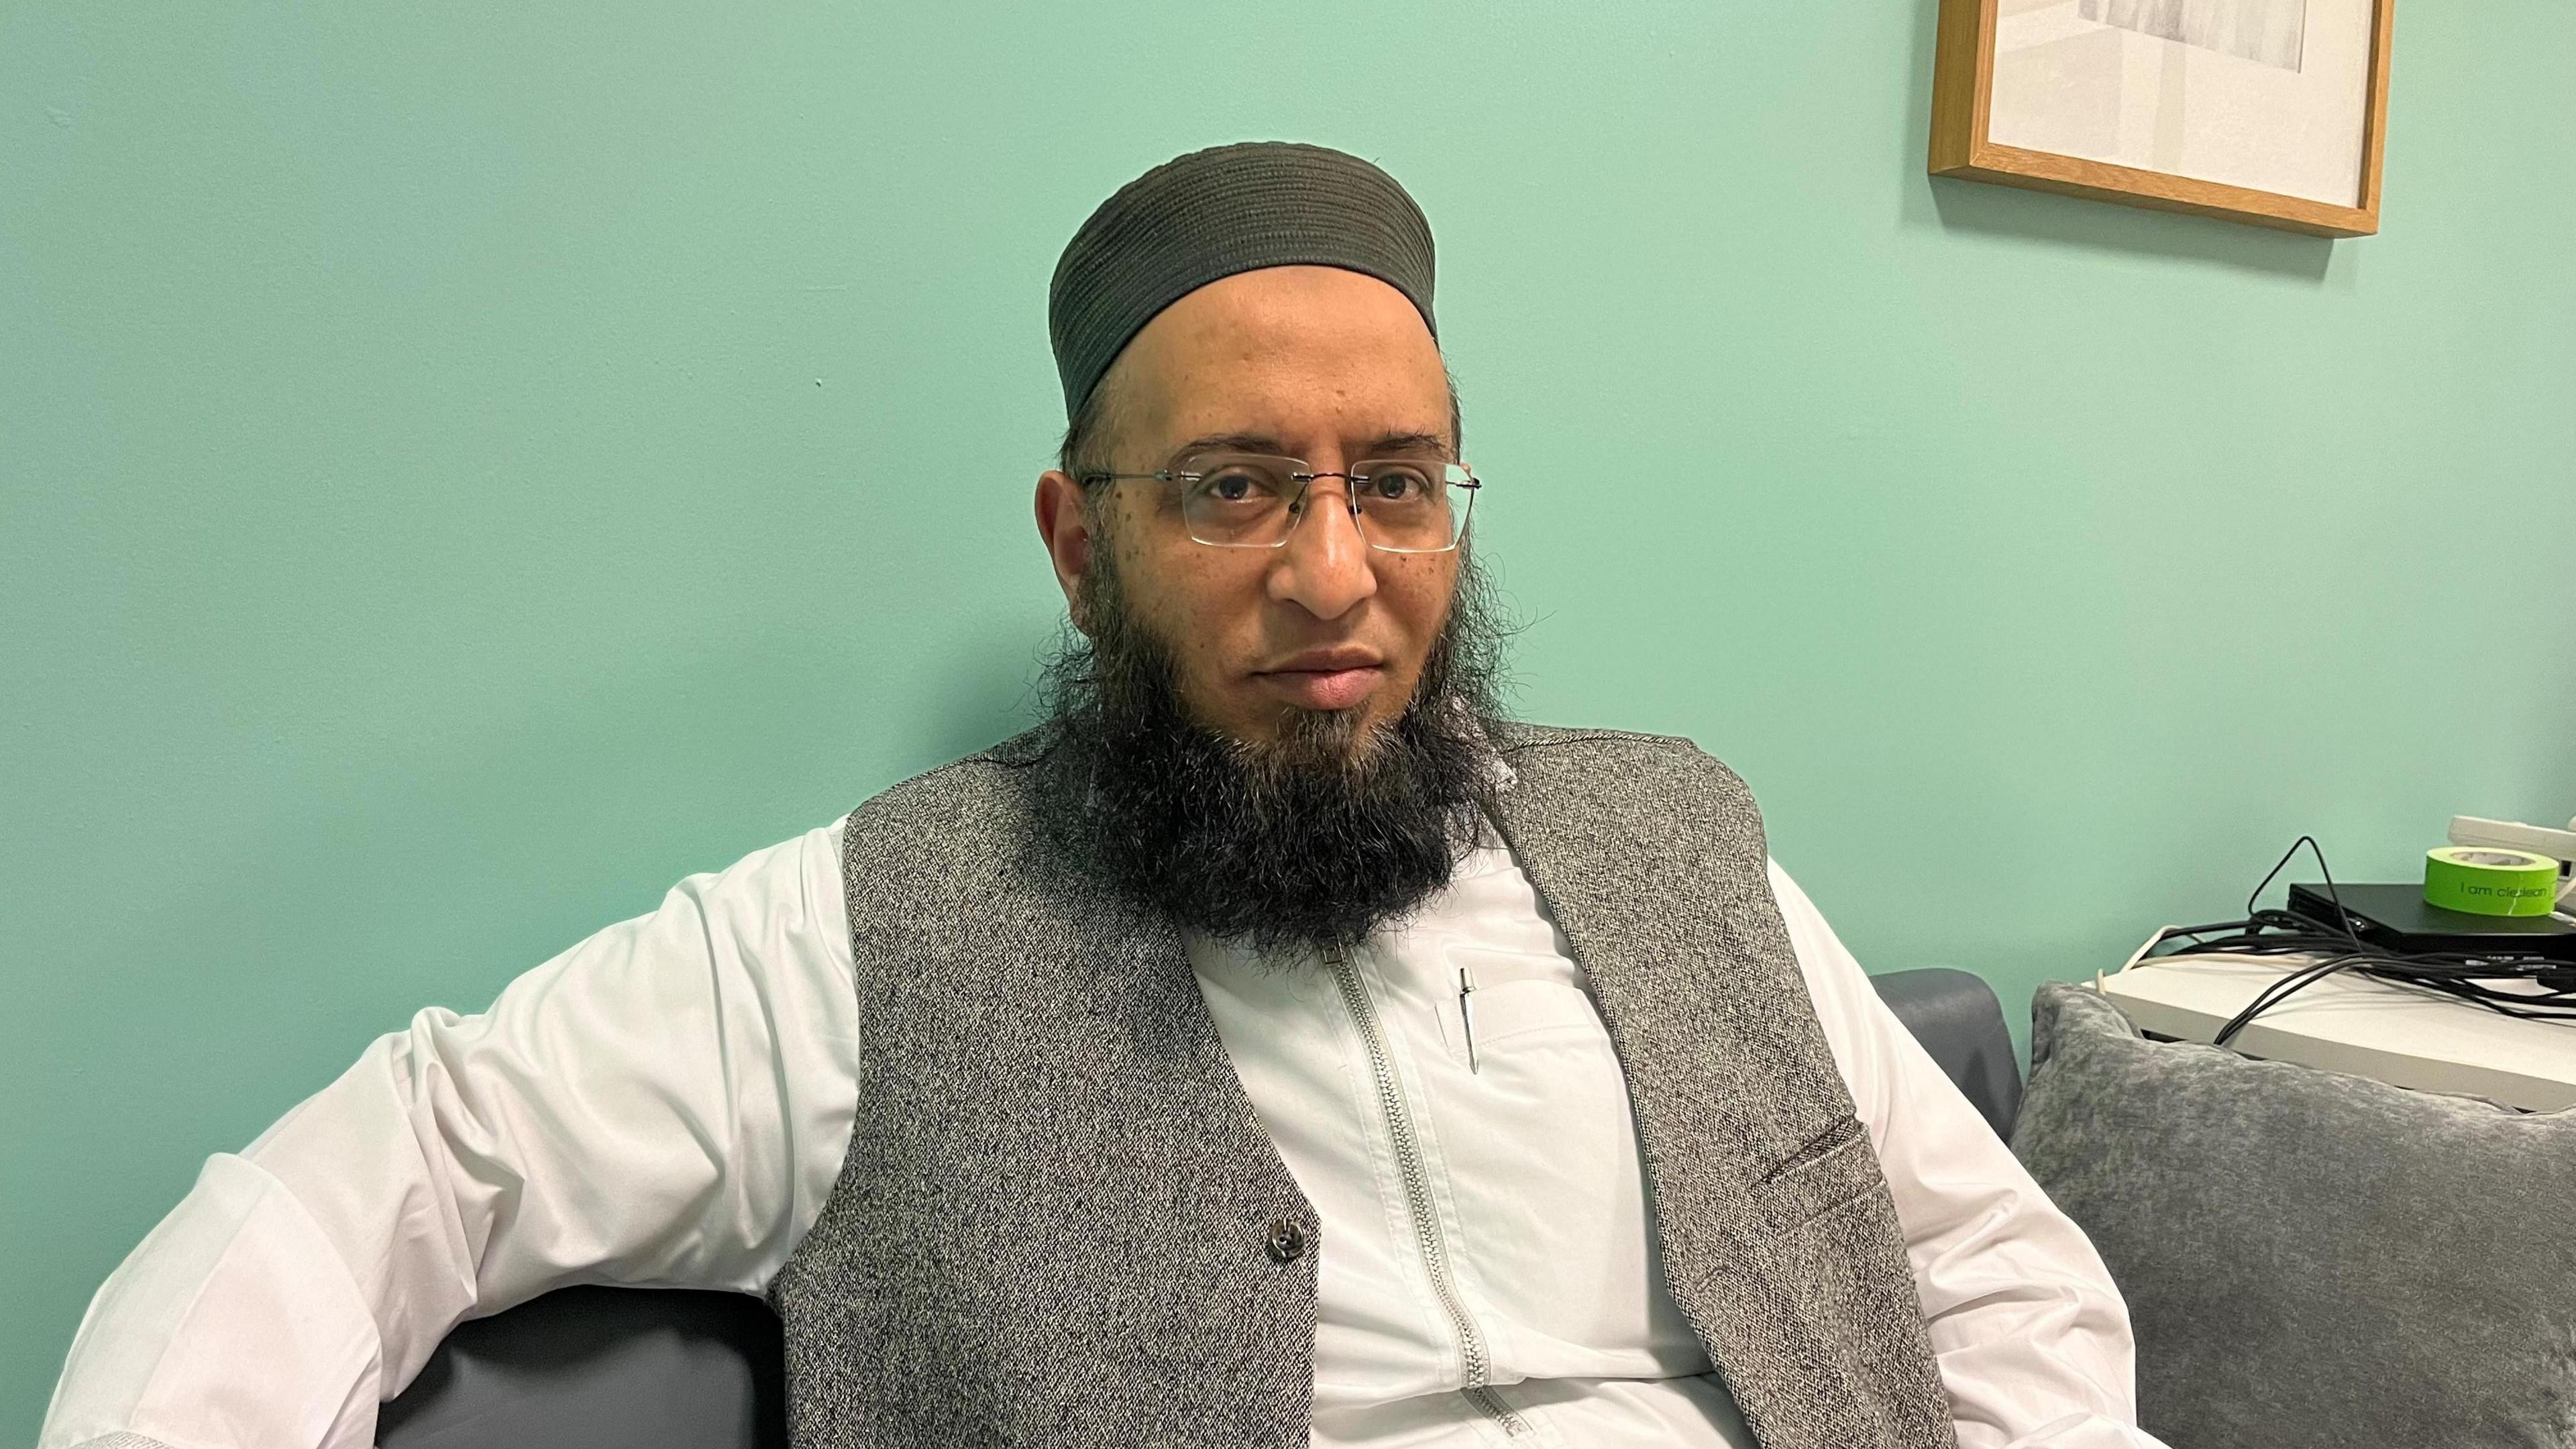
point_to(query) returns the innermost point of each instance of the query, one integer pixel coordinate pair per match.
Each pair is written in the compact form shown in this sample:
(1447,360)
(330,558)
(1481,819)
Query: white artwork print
(2266,94)
(2266,32)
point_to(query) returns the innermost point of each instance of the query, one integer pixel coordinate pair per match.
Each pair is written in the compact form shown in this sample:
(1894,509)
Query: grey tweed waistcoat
(1051,1225)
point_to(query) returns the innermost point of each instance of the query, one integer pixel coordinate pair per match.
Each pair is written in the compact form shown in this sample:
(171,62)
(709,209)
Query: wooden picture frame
(1963,91)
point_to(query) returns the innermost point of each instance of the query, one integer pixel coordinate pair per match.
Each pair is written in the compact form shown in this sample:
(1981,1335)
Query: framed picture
(2266,111)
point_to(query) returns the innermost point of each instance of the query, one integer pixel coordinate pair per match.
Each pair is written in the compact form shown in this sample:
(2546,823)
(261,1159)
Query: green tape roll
(2487,881)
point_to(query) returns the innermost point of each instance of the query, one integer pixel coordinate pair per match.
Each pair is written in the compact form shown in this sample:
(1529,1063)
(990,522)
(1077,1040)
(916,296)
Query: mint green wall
(462,468)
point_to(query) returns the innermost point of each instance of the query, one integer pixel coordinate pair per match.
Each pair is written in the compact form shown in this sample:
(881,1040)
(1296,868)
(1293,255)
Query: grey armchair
(623,1368)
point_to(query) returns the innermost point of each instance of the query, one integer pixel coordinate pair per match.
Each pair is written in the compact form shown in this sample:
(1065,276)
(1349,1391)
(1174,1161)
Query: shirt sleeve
(667,1103)
(2030,1333)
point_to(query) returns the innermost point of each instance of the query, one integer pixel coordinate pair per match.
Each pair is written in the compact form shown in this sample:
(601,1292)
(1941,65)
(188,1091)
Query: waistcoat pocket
(1828,1171)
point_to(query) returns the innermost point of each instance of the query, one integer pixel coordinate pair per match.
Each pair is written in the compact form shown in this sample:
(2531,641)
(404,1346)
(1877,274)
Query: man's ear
(1064,523)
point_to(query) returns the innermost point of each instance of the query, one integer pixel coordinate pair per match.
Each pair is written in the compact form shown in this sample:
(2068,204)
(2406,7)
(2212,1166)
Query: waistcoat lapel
(1778,1235)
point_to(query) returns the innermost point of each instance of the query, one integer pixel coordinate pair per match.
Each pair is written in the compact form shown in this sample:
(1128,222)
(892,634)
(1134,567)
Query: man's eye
(1235,485)
(1397,485)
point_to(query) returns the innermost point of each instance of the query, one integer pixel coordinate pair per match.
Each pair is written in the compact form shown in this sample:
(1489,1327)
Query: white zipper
(1472,1361)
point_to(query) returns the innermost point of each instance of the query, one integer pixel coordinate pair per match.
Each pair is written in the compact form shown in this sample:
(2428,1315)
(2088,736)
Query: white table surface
(2401,1035)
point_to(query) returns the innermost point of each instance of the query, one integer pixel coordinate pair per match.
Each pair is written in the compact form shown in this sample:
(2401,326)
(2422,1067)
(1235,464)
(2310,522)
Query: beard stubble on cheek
(1329,827)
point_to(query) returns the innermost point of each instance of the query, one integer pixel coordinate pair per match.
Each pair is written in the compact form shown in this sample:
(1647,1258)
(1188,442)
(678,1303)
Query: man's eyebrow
(1397,445)
(1234,443)
(1384,445)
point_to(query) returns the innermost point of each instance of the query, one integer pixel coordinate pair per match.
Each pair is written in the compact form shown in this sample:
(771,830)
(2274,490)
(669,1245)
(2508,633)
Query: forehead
(1306,355)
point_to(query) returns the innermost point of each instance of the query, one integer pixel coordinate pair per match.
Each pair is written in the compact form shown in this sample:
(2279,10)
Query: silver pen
(1467,1013)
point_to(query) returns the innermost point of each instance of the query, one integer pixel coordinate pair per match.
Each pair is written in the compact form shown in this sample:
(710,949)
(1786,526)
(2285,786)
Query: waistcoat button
(1287,1241)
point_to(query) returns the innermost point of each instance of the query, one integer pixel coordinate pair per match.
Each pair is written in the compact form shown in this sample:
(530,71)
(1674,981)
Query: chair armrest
(1957,1018)
(601,1368)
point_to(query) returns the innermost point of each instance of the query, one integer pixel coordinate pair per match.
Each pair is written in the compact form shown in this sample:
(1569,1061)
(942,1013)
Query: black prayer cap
(1213,213)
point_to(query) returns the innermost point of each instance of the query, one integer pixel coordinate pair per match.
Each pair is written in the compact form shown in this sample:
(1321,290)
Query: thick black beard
(1313,839)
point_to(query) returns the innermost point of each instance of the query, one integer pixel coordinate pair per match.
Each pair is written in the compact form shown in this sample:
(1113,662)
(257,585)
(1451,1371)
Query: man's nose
(1325,567)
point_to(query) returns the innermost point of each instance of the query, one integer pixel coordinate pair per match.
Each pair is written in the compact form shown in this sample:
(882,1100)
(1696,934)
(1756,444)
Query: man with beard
(1277,1046)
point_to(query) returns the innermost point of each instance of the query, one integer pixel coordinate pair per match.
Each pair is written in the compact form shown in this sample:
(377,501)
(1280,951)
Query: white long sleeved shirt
(669,1102)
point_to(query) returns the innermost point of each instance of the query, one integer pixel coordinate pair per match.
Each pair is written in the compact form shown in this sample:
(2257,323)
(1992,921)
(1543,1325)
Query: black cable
(2343,917)
(2278,992)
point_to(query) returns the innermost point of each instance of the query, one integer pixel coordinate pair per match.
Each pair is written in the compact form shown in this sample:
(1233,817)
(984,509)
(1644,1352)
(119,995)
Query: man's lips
(1326,680)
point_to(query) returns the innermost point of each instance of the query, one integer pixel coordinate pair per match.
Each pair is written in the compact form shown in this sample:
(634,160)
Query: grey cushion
(2311,1258)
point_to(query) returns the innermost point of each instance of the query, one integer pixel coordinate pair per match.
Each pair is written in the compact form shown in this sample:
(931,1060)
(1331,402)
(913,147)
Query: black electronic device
(2395,918)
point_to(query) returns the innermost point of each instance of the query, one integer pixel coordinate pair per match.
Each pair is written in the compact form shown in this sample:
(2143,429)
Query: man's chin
(1328,741)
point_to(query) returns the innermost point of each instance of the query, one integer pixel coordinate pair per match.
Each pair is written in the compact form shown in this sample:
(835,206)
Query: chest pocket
(1527,1013)
(1828,1174)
